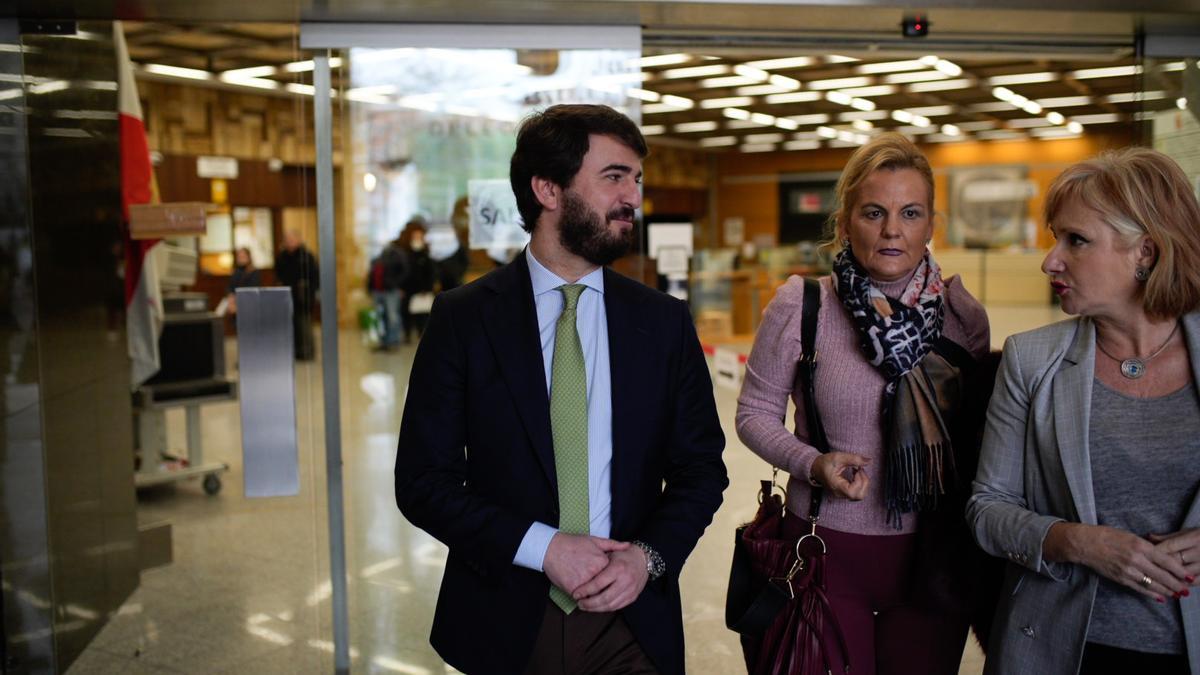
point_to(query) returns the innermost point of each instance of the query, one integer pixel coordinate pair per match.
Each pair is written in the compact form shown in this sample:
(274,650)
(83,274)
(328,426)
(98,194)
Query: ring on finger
(1146,581)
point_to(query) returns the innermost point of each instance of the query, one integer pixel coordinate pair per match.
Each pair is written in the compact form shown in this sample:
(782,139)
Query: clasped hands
(1157,566)
(601,574)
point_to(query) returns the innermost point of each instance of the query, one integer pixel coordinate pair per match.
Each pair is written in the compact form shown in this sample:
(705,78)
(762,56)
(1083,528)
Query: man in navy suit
(496,460)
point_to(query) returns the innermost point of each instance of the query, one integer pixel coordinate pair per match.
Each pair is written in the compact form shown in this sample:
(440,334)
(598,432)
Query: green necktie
(569,425)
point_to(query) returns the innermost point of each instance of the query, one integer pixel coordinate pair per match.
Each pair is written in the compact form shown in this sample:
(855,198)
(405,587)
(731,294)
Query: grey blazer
(1034,471)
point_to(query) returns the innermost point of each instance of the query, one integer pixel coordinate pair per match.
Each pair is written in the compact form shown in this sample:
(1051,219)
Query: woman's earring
(845,242)
(1141,273)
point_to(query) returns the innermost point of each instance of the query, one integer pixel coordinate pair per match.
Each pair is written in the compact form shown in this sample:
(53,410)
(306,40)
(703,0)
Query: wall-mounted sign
(217,167)
(153,221)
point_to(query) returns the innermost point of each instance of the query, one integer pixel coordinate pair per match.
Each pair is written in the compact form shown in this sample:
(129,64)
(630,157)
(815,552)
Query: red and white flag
(143,297)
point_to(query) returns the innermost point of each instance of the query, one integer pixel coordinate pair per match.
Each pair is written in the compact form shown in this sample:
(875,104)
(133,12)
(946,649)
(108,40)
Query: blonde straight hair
(890,151)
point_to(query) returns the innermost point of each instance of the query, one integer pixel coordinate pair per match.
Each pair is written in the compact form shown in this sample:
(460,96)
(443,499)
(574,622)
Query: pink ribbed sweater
(849,392)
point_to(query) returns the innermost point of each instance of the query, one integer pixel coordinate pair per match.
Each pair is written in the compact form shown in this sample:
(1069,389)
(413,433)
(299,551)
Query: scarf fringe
(915,481)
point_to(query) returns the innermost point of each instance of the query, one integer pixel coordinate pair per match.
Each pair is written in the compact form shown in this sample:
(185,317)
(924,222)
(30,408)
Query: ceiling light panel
(718,141)
(731,81)
(976,126)
(1022,78)
(736,113)
(751,72)
(1135,96)
(761,90)
(818,118)
(785,123)
(653,130)
(784,81)
(923,76)
(1054,132)
(757,147)
(1000,135)
(889,67)
(852,115)
(763,138)
(728,102)
(941,85)
(839,83)
(678,102)
(644,95)
(1064,101)
(1101,118)
(1113,71)
(695,127)
(1028,123)
(877,90)
(794,97)
(934,110)
(663,60)
(783,64)
(836,58)
(694,71)
(802,145)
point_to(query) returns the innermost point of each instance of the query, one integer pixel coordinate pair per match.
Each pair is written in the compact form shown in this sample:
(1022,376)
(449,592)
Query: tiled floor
(247,591)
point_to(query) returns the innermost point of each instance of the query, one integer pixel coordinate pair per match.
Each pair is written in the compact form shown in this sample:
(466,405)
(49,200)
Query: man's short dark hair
(551,144)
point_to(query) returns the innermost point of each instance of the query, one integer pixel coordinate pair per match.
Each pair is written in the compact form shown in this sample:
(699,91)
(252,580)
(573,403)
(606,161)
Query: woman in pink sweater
(896,346)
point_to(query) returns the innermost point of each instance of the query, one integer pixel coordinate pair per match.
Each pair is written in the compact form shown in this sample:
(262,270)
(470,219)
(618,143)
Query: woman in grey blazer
(1088,477)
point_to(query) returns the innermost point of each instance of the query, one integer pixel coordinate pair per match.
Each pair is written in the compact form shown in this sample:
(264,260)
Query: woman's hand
(1121,556)
(1185,546)
(843,473)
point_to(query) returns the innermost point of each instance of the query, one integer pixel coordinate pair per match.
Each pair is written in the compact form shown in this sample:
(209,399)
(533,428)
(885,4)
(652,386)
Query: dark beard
(581,232)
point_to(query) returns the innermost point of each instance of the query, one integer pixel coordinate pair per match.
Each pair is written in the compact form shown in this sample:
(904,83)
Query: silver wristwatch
(654,562)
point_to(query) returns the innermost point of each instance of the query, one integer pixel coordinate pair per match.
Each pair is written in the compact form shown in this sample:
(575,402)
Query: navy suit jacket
(475,463)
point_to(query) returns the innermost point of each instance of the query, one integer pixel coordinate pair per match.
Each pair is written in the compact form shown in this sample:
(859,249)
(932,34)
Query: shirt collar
(545,281)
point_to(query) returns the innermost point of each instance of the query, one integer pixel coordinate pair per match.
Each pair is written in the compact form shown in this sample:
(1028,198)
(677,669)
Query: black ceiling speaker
(915,26)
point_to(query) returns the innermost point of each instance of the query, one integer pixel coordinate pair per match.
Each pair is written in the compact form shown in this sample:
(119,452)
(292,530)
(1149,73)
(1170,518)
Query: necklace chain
(1135,366)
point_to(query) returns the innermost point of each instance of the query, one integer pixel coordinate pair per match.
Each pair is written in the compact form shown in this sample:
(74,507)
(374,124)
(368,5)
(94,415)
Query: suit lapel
(512,328)
(1072,414)
(627,354)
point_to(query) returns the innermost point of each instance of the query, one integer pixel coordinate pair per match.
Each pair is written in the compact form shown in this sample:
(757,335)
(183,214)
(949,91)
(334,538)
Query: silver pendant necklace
(1134,367)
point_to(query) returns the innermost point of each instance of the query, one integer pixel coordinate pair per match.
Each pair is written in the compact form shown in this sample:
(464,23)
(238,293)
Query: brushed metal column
(323,121)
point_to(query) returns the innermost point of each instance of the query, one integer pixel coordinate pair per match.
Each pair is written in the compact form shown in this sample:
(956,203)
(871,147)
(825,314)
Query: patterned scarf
(897,337)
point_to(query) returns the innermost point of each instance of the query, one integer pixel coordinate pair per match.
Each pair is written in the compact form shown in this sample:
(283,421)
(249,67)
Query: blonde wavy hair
(1142,193)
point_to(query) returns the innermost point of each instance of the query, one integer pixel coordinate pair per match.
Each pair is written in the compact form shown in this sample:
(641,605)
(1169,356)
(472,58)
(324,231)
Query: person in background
(245,275)
(296,268)
(419,277)
(452,268)
(894,342)
(385,281)
(1088,479)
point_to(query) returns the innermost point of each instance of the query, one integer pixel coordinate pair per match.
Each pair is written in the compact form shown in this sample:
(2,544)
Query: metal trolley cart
(192,354)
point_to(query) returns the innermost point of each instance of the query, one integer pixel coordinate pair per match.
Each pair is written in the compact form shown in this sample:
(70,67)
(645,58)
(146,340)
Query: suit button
(1028,631)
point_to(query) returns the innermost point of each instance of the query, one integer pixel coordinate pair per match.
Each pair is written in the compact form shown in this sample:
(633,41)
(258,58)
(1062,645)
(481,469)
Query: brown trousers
(586,643)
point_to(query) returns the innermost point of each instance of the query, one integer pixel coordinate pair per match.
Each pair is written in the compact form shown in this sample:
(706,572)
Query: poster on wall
(989,206)
(495,222)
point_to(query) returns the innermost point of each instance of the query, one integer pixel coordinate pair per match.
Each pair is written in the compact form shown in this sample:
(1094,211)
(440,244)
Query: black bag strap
(806,370)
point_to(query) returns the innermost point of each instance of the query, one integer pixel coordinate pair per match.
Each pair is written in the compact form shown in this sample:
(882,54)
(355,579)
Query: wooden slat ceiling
(748,101)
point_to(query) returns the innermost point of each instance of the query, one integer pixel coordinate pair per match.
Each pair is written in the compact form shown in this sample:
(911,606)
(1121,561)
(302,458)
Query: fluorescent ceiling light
(49,86)
(763,119)
(852,115)
(1022,78)
(1113,71)
(838,97)
(943,138)
(784,63)
(175,71)
(761,90)
(727,102)
(731,81)
(941,85)
(951,130)
(763,138)
(1054,132)
(785,123)
(922,76)
(862,125)
(717,141)
(1055,117)
(914,130)
(297,88)
(1031,108)
(1028,123)
(902,116)
(694,71)
(802,145)
(817,118)
(738,125)
(990,107)
(1064,101)
(693,127)
(1172,67)
(785,81)
(1004,94)
(862,104)
(760,147)
(889,67)
(827,132)
(1101,118)
(255,82)
(1135,96)
(948,67)
(1075,126)
(922,121)
(678,102)
(835,58)
(840,82)
(806,136)
(751,72)
(736,113)
(653,129)
(934,110)
(657,108)
(1181,103)
(306,66)
(662,60)
(877,90)
(256,71)
(644,94)
(794,97)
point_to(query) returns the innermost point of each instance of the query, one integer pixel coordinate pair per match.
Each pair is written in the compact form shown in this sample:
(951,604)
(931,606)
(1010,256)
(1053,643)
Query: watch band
(654,562)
